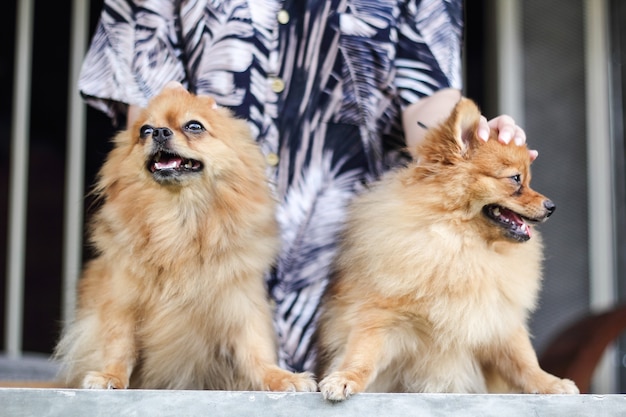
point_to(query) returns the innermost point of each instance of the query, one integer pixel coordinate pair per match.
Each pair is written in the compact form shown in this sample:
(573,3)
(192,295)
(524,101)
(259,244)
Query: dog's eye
(145,131)
(194,126)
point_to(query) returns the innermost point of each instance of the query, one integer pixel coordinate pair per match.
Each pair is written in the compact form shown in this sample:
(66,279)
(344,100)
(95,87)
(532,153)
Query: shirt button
(283,17)
(278,85)
(272,159)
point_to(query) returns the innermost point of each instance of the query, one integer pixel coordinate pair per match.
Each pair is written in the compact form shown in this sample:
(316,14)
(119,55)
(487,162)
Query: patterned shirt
(322,85)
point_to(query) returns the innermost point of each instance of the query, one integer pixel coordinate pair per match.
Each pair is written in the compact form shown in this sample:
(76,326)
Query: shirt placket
(274,85)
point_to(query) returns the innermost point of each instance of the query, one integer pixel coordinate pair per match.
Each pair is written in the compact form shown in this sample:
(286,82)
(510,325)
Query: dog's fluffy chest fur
(470,292)
(194,268)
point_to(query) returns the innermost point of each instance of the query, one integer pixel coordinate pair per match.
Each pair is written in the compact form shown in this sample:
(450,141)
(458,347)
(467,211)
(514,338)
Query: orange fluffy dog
(176,298)
(437,275)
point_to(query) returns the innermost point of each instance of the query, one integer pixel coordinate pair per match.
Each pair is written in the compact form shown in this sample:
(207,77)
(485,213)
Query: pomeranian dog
(175,298)
(437,273)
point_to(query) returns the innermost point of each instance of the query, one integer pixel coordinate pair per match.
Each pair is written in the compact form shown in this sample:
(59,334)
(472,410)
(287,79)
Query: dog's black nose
(550,207)
(161,134)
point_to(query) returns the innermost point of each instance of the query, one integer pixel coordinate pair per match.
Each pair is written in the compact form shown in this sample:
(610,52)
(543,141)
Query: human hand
(507,130)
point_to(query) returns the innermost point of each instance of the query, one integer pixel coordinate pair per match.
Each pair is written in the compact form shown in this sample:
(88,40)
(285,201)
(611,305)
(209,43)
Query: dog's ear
(463,123)
(453,138)
(173,85)
(209,100)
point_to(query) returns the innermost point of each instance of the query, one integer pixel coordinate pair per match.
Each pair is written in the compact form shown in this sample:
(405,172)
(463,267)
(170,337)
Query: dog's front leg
(363,358)
(117,349)
(516,361)
(256,354)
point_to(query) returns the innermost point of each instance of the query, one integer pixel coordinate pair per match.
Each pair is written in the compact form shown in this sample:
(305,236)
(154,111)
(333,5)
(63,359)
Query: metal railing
(19,170)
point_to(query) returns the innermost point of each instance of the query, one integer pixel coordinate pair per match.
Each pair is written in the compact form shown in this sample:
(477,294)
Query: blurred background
(556,66)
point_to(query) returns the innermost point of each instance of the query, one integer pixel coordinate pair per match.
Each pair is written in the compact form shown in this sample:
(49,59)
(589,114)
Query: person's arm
(427,112)
(432,110)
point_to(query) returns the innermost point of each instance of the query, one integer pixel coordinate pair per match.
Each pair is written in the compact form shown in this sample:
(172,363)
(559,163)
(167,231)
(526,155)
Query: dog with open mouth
(437,273)
(175,298)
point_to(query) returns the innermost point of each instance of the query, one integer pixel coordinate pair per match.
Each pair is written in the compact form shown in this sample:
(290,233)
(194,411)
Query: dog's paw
(567,386)
(280,380)
(99,380)
(551,384)
(338,387)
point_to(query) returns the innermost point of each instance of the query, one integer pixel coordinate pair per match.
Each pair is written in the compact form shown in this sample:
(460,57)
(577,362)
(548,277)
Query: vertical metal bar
(75,160)
(19,179)
(602,285)
(600,175)
(509,59)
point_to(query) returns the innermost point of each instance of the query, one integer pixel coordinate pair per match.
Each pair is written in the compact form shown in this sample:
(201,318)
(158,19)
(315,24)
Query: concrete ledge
(69,403)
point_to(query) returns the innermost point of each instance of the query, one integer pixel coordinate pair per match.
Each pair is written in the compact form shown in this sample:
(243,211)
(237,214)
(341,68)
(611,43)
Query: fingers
(507,130)
(483,129)
(515,133)
(519,136)
(505,126)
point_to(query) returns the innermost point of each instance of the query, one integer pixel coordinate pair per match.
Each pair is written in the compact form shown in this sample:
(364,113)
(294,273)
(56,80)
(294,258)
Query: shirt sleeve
(428,55)
(428,58)
(134,52)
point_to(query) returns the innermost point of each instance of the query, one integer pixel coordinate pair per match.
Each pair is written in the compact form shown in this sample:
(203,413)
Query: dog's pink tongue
(168,163)
(522,224)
